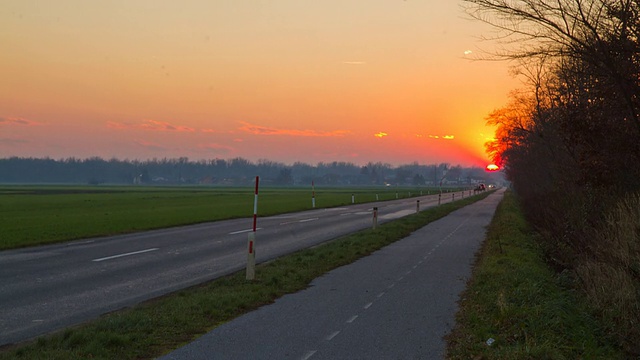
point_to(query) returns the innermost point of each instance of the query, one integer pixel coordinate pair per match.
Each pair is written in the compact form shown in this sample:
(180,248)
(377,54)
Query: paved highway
(397,303)
(48,288)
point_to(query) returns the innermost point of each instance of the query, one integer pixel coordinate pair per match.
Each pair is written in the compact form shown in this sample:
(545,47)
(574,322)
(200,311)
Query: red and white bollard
(251,246)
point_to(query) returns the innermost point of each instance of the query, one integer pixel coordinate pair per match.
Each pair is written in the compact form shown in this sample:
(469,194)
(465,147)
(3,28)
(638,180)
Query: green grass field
(36,215)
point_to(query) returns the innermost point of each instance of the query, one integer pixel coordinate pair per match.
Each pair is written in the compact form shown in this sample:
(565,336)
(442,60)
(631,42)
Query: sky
(283,80)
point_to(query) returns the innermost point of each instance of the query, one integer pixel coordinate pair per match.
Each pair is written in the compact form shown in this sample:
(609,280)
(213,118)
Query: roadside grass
(37,215)
(515,299)
(158,326)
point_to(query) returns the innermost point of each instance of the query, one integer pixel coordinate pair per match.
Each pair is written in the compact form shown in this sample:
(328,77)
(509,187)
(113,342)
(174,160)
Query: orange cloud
(17,121)
(380,134)
(150,145)
(443,137)
(263,130)
(152,125)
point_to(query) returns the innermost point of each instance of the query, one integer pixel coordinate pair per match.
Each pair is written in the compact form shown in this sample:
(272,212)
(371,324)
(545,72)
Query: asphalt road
(48,288)
(397,303)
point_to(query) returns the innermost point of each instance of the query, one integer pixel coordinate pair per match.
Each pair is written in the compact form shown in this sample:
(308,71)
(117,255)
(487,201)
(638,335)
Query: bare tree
(602,33)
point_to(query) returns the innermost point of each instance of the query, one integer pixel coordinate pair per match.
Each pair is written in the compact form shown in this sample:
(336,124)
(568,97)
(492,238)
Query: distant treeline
(237,171)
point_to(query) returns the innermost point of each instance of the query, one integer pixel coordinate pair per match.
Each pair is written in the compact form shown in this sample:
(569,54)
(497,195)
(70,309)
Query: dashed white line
(307,220)
(123,255)
(368,305)
(352,319)
(390,286)
(243,231)
(334,334)
(380,295)
(308,355)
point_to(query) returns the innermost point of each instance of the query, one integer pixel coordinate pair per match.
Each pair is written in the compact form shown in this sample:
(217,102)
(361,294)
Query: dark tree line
(237,171)
(570,141)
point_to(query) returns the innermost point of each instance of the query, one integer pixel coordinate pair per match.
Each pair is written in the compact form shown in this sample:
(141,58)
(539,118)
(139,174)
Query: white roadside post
(313,195)
(353,198)
(251,254)
(417,206)
(375,218)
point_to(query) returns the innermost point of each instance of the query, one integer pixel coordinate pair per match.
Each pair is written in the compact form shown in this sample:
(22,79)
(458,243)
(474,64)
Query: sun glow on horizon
(226,79)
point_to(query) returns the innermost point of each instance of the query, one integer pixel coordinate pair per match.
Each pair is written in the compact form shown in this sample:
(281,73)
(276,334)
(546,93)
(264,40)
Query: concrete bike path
(397,303)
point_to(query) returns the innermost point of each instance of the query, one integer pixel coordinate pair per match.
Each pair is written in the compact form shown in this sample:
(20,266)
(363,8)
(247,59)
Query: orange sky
(284,80)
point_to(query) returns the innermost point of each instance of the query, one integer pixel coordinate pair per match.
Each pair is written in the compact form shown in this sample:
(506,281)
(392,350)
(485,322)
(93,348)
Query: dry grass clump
(609,272)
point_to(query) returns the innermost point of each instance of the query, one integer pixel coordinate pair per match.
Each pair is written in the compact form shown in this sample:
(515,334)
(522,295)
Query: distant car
(481,187)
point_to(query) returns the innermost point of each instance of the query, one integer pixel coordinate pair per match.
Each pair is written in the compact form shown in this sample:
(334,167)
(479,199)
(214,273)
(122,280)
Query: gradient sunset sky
(283,80)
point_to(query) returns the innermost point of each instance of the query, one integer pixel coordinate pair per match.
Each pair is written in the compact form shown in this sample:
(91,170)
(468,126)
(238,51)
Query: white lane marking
(334,334)
(380,295)
(415,266)
(368,305)
(390,286)
(299,221)
(308,355)
(243,231)
(397,214)
(127,254)
(346,214)
(352,319)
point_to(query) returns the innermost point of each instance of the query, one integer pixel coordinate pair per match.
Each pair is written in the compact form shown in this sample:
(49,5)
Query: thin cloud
(13,141)
(151,146)
(441,137)
(468,52)
(210,131)
(217,148)
(381,134)
(151,125)
(354,62)
(18,121)
(270,131)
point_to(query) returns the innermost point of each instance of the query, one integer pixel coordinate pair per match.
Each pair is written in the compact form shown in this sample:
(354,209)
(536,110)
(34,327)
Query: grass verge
(37,215)
(158,326)
(515,299)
